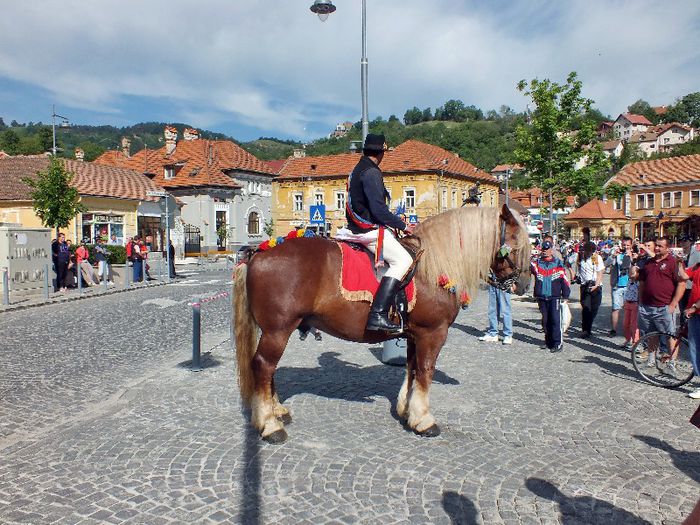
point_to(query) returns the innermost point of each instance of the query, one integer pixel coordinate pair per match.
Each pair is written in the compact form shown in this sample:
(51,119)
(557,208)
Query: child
(631,309)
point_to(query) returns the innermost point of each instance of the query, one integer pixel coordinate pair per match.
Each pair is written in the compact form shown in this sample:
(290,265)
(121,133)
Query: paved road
(99,423)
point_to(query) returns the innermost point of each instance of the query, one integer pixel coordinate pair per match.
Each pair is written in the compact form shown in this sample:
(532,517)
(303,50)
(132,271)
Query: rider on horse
(371,220)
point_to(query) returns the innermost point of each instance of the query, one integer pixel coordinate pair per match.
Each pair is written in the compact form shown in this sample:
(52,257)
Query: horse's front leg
(281,412)
(264,418)
(402,400)
(428,345)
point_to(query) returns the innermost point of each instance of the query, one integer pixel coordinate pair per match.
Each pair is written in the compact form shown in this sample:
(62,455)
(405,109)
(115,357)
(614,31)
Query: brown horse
(298,282)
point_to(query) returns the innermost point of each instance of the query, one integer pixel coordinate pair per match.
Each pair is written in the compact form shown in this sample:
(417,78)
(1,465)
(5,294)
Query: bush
(116,254)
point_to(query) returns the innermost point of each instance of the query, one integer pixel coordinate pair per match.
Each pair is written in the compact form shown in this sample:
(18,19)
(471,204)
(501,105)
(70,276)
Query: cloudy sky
(253,68)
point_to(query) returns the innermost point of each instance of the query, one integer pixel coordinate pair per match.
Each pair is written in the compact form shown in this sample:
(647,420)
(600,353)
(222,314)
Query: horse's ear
(507,215)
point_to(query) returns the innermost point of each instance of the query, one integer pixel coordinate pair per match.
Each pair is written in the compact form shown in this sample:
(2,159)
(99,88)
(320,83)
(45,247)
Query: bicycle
(663,359)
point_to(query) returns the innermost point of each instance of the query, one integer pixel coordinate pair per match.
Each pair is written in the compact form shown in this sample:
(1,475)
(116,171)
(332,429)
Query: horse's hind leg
(281,412)
(269,351)
(404,393)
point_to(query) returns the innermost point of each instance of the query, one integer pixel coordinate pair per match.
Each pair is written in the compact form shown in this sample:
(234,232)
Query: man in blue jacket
(370,219)
(551,287)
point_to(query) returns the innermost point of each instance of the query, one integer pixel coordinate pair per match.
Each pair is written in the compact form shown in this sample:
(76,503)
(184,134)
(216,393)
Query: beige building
(599,217)
(114,197)
(664,196)
(426,179)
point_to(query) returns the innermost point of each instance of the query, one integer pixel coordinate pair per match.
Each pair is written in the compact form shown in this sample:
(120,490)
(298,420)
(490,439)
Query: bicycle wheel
(662,360)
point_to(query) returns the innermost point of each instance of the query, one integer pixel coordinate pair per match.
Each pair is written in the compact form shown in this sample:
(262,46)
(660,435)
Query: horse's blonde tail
(246,332)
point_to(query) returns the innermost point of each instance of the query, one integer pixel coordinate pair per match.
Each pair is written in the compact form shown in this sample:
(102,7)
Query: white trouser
(395,255)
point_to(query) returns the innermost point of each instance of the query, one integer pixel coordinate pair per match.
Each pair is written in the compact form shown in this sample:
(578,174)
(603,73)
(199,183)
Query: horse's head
(511,263)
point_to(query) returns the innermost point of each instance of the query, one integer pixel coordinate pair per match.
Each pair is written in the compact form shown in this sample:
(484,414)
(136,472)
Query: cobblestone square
(100,422)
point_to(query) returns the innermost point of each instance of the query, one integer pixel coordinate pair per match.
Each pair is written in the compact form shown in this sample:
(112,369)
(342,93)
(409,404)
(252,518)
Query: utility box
(25,253)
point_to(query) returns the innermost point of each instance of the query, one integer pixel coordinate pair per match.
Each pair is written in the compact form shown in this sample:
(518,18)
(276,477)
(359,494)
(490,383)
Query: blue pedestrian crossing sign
(413,219)
(317,214)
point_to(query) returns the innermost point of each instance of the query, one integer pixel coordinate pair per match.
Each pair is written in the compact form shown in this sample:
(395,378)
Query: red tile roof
(530,198)
(275,166)
(409,157)
(636,119)
(196,163)
(660,171)
(663,128)
(596,209)
(90,179)
(505,167)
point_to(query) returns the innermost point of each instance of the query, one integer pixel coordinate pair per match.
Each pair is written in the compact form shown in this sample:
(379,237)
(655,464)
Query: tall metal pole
(53,128)
(167,234)
(508,173)
(363,73)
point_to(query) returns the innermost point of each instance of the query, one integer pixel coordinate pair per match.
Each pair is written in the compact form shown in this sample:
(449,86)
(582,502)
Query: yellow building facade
(425,179)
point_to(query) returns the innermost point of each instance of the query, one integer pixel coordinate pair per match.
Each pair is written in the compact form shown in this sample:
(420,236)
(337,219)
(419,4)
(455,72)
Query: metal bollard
(105,275)
(160,269)
(196,337)
(143,271)
(5,287)
(46,282)
(126,274)
(79,274)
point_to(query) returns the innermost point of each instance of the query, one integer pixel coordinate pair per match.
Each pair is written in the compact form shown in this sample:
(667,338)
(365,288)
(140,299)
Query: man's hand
(672,306)
(409,229)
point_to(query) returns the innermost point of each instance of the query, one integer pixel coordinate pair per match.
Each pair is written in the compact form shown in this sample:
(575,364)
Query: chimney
(170,139)
(126,147)
(79,154)
(190,134)
(299,153)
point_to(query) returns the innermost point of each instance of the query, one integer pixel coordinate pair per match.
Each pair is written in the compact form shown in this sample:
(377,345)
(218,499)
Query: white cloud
(275,67)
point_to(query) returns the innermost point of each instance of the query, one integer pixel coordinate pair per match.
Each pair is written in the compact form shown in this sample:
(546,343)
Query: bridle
(503,253)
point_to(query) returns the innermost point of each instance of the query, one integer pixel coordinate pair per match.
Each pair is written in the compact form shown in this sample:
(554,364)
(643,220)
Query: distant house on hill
(341,129)
(604,128)
(226,191)
(628,123)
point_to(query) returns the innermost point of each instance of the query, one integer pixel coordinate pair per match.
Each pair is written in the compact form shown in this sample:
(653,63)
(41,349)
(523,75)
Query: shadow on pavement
(338,379)
(250,478)
(459,508)
(582,509)
(687,462)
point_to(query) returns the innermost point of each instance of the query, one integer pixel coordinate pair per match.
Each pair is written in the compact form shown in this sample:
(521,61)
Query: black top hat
(374,143)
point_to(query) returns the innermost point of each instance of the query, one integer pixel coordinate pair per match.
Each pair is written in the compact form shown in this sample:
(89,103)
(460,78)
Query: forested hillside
(484,139)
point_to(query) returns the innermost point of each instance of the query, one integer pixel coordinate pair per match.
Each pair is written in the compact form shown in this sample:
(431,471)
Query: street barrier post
(79,274)
(5,287)
(126,274)
(46,282)
(196,337)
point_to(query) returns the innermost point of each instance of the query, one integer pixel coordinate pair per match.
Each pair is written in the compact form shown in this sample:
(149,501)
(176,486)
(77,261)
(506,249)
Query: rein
(503,253)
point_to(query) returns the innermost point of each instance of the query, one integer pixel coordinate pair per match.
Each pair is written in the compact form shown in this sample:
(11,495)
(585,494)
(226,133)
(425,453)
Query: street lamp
(509,173)
(64,124)
(323,8)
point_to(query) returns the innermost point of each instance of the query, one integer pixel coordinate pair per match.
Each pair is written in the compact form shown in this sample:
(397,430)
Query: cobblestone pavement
(101,423)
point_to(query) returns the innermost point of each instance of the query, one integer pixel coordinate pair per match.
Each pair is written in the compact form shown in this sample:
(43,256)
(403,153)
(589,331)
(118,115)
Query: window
(339,200)
(444,199)
(253,223)
(298,202)
(464,196)
(454,198)
(318,199)
(617,204)
(695,197)
(168,173)
(409,197)
(671,199)
(645,201)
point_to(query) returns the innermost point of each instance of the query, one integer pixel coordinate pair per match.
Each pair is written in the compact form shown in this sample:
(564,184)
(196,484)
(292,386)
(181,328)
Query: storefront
(106,225)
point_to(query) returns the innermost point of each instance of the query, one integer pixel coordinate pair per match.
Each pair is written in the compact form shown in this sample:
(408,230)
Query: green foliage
(55,201)
(91,150)
(630,153)
(116,254)
(269,228)
(550,151)
(686,110)
(616,191)
(642,107)
(9,142)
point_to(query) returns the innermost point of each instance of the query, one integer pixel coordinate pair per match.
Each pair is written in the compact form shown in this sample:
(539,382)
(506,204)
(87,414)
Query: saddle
(359,281)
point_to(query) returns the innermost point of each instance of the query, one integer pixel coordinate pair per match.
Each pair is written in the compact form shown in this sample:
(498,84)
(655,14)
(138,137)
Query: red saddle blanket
(358,282)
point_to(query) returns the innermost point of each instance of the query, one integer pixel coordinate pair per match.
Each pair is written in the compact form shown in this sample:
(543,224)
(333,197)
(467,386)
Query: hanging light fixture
(322,8)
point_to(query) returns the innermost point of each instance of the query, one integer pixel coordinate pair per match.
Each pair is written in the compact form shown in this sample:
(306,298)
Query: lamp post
(53,126)
(323,8)
(509,173)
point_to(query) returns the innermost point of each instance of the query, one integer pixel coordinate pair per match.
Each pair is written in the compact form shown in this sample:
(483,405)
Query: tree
(55,201)
(269,228)
(451,110)
(413,116)
(686,110)
(427,115)
(642,107)
(555,157)
(9,142)
(45,137)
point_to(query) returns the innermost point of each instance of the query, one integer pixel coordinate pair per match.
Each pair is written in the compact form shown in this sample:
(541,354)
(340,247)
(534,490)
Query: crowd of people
(73,264)
(651,289)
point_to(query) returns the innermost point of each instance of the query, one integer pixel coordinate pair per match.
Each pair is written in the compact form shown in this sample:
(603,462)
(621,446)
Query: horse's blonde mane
(459,243)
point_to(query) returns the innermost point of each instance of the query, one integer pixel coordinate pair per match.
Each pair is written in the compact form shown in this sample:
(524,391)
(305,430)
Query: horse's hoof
(286,419)
(277,437)
(431,431)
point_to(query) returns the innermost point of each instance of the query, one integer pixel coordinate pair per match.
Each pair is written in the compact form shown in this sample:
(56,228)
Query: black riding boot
(378,319)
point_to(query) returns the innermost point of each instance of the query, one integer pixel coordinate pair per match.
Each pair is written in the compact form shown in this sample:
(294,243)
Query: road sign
(413,219)
(540,225)
(171,205)
(157,193)
(317,214)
